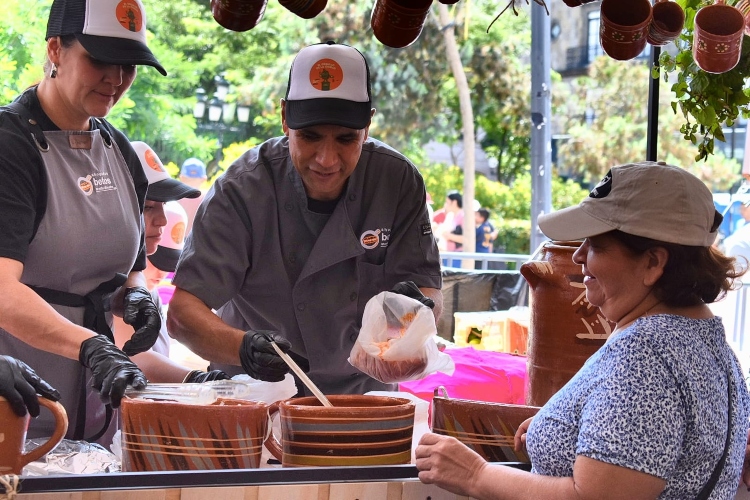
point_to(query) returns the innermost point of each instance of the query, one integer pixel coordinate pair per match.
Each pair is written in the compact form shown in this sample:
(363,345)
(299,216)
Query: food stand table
(393,482)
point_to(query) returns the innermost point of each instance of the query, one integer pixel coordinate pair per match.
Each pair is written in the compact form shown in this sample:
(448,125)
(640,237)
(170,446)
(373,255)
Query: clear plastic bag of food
(396,342)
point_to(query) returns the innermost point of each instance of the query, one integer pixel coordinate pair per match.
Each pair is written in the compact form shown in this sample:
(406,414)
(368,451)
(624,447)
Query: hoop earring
(53,71)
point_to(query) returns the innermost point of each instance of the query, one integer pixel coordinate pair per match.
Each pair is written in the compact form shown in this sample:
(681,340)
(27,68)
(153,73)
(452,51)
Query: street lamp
(222,114)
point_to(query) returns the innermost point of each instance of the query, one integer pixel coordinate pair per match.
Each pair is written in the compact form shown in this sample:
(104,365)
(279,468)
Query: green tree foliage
(605,114)
(412,87)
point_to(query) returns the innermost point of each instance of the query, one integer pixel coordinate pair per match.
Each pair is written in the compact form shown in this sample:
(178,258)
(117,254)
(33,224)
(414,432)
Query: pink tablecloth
(480,375)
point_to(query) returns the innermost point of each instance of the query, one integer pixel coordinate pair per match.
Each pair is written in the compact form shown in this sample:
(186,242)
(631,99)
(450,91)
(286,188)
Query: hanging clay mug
(306,9)
(666,25)
(744,7)
(717,37)
(238,15)
(623,27)
(13,435)
(564,329)
(398,23)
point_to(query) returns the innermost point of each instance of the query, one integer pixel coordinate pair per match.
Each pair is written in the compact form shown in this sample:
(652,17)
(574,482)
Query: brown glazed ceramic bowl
(486,428)
(357,430)
(169,436)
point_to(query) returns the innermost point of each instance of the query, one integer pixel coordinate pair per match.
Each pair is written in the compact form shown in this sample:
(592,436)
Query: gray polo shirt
(259,257)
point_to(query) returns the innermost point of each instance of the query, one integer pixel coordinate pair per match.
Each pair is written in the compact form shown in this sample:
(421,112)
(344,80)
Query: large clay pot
(169,436)
(487,428)
(564,329)
(13,435)
(356,430)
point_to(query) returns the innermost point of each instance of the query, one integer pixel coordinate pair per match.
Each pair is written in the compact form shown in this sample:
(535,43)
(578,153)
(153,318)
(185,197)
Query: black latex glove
(198,376)
(142,314)
(19,384)
(410,289)
(112,370)
(260,360)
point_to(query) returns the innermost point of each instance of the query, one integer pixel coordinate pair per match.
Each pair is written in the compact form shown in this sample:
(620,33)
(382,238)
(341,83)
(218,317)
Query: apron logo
(371,239)
(85,184)
(96,183)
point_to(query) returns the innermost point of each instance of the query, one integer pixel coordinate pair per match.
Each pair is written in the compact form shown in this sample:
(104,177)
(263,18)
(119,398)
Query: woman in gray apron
(71,242)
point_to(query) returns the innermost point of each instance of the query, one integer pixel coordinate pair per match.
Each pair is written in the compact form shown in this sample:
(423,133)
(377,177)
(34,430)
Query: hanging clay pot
(306,9)
(398,23)
(238,15)
(717,37)
(564,329)
(624,27)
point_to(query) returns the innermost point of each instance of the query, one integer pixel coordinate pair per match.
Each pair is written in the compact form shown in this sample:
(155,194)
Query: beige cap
(649,199)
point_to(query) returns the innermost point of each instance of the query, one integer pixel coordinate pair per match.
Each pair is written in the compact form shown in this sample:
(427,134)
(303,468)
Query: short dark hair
(456,196)
(693,274)
(484,213)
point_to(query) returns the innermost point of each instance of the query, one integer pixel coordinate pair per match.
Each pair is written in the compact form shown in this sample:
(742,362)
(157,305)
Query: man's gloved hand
(19,384)
(260,360)
(199,376)
(142,314)
(112,370)
(410,289)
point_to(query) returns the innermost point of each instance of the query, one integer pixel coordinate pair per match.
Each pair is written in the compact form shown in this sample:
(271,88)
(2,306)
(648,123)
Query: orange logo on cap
(129,15)
(152,161)
(326,74)
(178,233)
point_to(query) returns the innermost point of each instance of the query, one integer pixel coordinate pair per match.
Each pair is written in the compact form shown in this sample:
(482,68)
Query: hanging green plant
(707,101)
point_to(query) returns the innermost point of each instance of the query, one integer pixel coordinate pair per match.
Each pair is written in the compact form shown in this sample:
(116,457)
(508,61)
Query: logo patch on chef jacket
(96,183)
(426,229)
(374,238)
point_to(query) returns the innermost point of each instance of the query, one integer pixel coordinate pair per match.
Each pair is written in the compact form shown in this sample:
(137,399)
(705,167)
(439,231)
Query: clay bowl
(486,428)
(171,436)
(357,430)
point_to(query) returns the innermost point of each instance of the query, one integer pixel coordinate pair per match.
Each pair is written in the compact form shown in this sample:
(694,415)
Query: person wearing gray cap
(71,241)
(661,410)
(302,231)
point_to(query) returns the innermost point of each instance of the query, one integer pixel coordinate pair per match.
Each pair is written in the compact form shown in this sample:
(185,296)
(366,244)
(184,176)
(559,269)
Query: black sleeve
(23,188)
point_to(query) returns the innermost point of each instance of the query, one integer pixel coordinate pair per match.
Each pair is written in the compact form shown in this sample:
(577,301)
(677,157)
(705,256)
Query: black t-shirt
(23,189)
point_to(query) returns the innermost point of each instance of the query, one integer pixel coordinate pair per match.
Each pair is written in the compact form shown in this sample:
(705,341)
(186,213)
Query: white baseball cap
(161,186)
(329,84)
(649,199)
(173,238)
(113,31)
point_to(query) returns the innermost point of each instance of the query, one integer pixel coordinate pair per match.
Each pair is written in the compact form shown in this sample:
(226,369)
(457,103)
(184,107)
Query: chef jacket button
(301,307)
(353,375)
(292,259)
(353,337)
(288,206)
(352,197)
(353,296)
